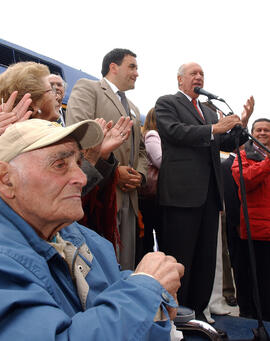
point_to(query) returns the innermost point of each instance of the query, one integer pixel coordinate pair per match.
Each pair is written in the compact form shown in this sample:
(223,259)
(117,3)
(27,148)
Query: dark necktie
(124,101)
(126,107)
(194,102)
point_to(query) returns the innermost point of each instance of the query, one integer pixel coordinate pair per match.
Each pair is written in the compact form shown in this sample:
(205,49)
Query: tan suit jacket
(94,99)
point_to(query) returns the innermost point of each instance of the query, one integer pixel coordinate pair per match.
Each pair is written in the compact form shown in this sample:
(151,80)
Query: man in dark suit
(190,188)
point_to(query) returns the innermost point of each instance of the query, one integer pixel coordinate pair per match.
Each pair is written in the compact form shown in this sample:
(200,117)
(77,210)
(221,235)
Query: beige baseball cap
(33,134)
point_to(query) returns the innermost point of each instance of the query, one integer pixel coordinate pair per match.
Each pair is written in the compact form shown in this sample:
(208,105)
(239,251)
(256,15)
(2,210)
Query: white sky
(229,39)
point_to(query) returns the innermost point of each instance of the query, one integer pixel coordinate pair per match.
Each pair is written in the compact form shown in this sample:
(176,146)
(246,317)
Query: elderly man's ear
(6,185)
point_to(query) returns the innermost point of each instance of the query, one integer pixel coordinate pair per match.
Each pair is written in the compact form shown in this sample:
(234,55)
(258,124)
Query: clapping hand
(114,136)
(248,110)
(10,115)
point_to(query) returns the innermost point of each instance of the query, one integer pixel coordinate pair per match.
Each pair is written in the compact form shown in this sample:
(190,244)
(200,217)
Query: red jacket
(256,173)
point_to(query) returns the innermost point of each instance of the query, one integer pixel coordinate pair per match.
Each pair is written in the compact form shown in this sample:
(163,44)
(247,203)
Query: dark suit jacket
(188,153)
(231,199)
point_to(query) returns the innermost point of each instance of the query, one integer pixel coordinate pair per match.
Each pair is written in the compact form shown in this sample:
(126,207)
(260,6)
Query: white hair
(63,82)
(181,70)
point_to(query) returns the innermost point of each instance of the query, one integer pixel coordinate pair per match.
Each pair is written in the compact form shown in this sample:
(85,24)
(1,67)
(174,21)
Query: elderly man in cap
(58,279)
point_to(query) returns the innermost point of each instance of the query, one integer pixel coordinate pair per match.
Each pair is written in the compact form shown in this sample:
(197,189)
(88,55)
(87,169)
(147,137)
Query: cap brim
(88,134)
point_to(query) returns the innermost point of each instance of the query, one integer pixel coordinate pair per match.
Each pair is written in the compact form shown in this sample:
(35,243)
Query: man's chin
(77,216)
(74,214)
(131,86)
(263,141)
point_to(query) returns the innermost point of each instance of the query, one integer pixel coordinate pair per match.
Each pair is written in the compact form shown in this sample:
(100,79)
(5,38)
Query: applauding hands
(114,136)
(10,115)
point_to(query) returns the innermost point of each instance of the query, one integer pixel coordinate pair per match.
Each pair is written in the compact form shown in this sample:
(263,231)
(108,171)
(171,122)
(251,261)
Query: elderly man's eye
(59,164)
(79,163)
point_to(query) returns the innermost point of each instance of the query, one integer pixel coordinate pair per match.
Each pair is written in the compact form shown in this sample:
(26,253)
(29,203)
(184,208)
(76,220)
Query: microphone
(201,91)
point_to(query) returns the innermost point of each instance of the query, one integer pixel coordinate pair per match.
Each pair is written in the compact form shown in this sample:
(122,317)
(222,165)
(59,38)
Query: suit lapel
(189,106)
(208,119)
(116,101)
(113,97)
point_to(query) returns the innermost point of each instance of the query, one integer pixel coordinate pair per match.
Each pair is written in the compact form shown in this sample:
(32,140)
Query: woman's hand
(10,115)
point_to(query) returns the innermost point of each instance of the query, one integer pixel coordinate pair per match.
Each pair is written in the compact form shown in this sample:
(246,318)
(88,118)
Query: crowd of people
(65,174)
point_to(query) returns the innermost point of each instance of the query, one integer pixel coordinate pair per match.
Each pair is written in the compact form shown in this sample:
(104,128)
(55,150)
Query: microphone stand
(241,130)
(260,333)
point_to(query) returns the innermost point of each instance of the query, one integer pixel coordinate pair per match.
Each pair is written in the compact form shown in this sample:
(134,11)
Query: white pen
(155,247)
(175,334)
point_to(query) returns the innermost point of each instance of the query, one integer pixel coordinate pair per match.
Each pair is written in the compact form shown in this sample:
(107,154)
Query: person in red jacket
(256,173)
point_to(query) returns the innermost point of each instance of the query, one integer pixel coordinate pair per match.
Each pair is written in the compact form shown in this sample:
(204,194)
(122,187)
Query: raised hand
(115,135)
(10,115)
(248,110)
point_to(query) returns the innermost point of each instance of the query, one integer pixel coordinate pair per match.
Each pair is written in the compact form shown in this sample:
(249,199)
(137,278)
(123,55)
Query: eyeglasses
(53,90)
(58,84)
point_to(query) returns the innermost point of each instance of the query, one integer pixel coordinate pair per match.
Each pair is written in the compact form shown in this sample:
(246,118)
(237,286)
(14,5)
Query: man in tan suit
(106,99)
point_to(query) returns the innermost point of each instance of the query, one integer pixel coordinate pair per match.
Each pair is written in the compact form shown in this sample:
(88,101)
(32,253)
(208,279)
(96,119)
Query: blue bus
(11,53)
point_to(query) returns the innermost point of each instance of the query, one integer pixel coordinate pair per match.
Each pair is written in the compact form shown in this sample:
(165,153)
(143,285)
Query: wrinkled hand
(129,179)
(10,115)
(248,110)
(225,124)
(115,135)
(164,269)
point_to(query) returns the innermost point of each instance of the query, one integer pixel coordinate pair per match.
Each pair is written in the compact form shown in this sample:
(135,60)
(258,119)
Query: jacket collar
(112,96)
(16,227)
(190,107)
(251,152)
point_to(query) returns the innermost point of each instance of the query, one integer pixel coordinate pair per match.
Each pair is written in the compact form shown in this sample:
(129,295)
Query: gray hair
(181,70)
(58,75)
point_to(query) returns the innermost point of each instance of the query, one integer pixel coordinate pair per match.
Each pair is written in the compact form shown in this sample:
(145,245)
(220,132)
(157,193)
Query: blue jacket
(38,300)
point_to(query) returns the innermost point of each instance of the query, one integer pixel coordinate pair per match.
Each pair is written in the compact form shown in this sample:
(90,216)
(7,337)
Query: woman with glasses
(28,78)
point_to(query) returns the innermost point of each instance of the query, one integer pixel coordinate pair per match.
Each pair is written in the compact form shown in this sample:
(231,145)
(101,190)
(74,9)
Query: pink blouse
(153,147)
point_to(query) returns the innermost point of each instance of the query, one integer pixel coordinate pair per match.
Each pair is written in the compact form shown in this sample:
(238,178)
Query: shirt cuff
(153,284)
(141,273)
